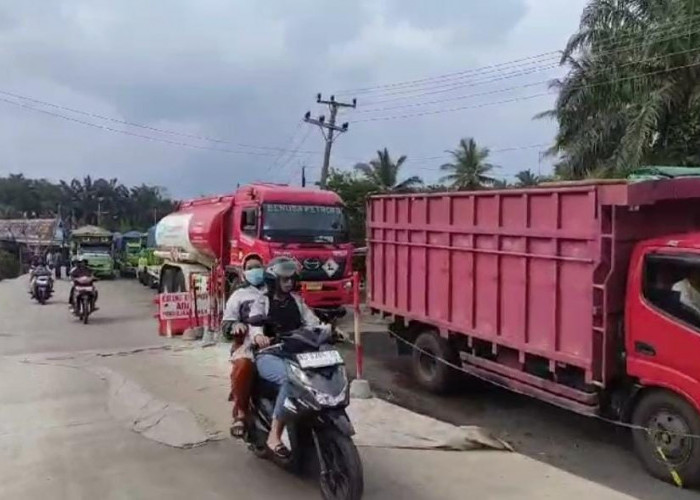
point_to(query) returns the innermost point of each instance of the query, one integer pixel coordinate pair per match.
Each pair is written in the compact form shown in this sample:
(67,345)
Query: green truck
(128,250)
(149,265)
(96,245)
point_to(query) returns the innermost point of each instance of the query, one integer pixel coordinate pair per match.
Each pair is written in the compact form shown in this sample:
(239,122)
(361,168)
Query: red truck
(206,242)
(578,294)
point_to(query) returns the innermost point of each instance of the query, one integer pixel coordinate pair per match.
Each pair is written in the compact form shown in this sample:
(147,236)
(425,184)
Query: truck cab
(662,349)
(308,225)
(205,243)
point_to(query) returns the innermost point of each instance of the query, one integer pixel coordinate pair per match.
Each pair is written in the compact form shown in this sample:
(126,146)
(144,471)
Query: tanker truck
(205,243)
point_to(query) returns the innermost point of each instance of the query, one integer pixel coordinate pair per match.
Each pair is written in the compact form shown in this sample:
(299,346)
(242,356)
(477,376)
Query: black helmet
(281,267)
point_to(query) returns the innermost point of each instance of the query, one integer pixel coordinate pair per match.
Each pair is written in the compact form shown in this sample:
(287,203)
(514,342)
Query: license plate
(314,287)
(319,359)
(83,289)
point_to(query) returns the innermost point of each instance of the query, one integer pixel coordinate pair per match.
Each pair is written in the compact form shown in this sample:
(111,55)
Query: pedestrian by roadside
(57,262)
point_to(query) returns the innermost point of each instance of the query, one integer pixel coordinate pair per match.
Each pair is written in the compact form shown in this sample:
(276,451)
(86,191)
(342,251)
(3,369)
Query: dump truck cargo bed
(528,278)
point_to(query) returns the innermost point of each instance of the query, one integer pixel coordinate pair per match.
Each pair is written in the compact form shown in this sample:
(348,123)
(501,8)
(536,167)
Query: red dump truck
(582,295)
(206,242)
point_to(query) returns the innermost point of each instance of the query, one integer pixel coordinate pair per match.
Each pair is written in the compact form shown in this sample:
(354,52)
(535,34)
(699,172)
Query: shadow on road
(583,446)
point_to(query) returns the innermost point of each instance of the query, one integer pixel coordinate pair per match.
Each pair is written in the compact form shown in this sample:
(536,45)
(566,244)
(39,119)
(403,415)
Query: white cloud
(246,72)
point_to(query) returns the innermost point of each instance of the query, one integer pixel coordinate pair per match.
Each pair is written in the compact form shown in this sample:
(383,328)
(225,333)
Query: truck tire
(661,411)
(430,373)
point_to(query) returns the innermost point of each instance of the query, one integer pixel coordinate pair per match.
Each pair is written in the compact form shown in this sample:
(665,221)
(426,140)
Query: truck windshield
(96,249)
(304,223)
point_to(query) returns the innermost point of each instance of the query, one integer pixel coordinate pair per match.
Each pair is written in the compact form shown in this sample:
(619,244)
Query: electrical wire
(554,64)
(142,126)
(518,87)
(521,98)
(670,27)
(140,136)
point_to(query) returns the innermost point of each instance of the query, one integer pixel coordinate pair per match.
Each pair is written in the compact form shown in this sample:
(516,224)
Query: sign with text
(175,305)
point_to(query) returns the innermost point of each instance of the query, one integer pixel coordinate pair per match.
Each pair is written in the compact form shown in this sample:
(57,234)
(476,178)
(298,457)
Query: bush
(9,265)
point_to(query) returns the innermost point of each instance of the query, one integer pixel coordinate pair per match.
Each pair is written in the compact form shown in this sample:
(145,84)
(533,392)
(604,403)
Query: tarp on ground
(655,173)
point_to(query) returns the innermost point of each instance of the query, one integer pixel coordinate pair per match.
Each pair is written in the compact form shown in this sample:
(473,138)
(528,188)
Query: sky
(199,97)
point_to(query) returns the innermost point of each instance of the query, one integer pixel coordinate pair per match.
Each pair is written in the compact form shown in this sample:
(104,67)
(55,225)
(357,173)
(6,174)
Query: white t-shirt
(690,297)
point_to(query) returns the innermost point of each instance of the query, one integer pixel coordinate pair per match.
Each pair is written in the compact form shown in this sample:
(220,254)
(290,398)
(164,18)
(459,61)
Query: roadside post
(359,387)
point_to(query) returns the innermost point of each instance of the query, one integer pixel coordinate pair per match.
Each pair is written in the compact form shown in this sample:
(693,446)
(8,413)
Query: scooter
(42,288)
(84,297)
(319,432)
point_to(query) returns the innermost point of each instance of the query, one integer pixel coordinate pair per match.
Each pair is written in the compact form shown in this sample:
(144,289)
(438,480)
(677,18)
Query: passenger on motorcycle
(234,326)
(284,312)
(39,270)
(80,269)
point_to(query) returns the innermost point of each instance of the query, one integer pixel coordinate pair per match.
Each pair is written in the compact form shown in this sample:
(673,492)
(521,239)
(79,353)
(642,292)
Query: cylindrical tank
(196,229)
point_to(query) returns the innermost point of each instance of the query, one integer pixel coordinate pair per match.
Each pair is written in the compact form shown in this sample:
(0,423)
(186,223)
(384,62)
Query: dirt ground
(589,448)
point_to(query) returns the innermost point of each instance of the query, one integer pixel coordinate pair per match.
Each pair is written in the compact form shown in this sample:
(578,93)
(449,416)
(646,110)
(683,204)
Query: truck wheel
(668,419)
(432,374)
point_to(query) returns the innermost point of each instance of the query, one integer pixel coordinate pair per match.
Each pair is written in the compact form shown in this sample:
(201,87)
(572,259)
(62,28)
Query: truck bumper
(328,296)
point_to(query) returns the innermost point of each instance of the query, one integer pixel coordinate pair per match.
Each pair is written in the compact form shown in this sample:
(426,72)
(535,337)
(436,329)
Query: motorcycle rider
(80,270)
(39,270)
(284,312)
(233,326)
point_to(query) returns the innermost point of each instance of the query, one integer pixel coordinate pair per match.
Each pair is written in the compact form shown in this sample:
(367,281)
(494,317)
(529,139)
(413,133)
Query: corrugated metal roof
(32,231)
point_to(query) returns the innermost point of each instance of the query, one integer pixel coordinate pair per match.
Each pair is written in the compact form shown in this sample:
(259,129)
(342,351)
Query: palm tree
(632,94)
(383,172)
(526,178)
(469,169)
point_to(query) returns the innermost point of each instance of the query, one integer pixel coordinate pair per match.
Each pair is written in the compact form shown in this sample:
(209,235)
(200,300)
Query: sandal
(281,452)
(238,429)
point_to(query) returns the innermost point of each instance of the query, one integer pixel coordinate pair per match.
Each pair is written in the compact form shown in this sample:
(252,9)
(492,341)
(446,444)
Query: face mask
(254,276)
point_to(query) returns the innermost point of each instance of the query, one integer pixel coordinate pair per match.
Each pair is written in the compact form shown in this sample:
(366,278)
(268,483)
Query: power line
(418,93)
(301,143)
(140,136)
(140,125)
(288,144)
(669,27)
(518,87)
(522,98)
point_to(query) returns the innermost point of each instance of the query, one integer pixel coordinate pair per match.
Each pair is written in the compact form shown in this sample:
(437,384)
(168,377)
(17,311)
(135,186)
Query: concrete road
(59,440)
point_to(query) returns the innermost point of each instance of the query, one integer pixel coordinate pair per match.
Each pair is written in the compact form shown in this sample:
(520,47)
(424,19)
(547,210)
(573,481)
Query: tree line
(104,202)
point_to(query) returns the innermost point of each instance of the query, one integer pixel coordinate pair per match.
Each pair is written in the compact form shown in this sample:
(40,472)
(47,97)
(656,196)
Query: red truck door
(663,324)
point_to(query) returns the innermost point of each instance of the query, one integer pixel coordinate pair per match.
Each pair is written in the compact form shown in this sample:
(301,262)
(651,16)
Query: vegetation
(9,265)
(383,173)
(632,94)
(526,178)
(86,201)
(469,169)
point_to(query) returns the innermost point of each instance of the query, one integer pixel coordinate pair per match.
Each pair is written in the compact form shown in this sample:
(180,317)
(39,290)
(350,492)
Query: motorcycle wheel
(84,309)
(42,297)
(344,479)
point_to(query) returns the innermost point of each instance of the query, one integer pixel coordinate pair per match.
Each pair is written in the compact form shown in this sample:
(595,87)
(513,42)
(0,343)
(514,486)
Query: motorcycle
(318,430)
(84,297)
(42,288)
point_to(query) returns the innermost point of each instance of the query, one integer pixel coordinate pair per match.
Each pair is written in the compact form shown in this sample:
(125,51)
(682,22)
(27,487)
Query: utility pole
(331,127)
(99,211)
(303,176)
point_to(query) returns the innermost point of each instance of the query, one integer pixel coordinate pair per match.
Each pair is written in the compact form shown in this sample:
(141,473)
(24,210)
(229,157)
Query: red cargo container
(549,292)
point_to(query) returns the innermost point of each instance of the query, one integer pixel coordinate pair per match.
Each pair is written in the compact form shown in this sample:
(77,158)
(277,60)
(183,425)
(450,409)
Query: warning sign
(175,305)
